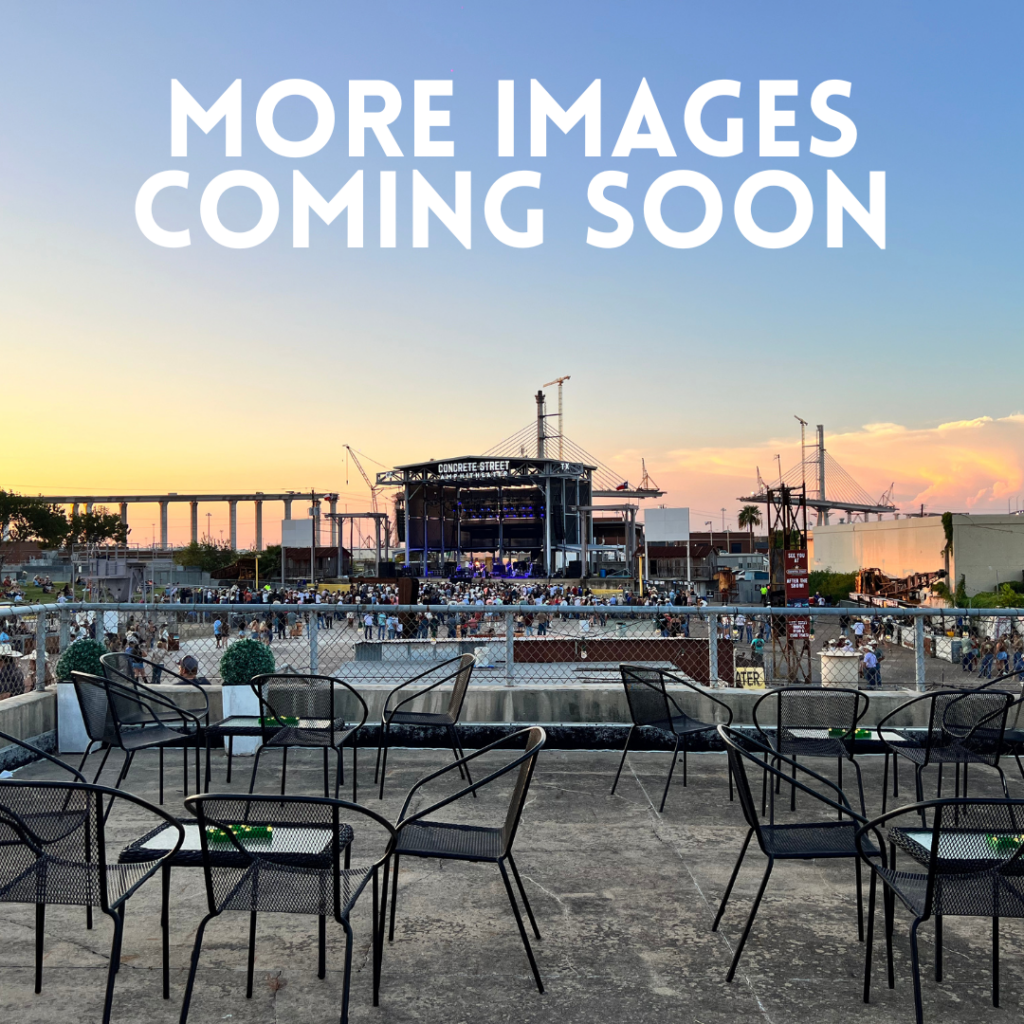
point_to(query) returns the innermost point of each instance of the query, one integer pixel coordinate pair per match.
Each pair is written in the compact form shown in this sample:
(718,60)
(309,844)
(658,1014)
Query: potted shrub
(81,656)
(244,659)
(241,661)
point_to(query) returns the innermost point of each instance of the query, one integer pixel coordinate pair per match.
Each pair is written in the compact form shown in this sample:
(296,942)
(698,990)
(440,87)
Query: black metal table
(286,840)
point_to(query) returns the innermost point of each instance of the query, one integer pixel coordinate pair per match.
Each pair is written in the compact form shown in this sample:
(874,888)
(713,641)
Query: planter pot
(240,700)
(71,735)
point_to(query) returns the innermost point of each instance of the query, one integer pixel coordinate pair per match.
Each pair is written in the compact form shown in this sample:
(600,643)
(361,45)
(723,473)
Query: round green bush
(81,656)
(243,660)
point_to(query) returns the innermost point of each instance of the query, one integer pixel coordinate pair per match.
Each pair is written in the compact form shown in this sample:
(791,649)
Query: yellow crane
(559,381)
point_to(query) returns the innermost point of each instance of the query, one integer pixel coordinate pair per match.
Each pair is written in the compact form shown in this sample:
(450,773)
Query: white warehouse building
(987,549)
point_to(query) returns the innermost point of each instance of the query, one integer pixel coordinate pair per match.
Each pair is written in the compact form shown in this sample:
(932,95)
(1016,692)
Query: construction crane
(561,433)
(362,473)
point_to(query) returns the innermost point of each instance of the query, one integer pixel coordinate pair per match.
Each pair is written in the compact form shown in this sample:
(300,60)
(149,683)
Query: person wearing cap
(189,669)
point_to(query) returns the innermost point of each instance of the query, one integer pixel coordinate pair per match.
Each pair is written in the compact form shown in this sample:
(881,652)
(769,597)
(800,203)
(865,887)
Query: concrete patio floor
(624,897)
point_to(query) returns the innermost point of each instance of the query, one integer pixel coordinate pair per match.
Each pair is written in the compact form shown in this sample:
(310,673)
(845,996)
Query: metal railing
(552,644)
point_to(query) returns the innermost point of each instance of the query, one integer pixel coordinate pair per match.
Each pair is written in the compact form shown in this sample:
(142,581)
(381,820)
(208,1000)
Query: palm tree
(749,517)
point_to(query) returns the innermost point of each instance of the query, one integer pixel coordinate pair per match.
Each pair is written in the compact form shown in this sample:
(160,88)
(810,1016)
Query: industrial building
(987,549)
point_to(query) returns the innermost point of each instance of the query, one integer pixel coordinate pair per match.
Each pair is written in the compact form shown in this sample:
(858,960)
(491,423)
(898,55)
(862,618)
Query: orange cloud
(964,465)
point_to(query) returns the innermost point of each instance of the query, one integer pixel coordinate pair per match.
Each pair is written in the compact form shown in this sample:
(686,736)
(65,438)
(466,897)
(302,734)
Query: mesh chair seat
(56,880)
(950,753)
(810,840)
(681,725)
(802,746)
(303,887)
(982,894)
(451,841)
(314,733)
(153,735)
(441,718)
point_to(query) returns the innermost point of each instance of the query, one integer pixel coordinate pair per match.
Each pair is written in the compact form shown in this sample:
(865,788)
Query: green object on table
(1004,844)
(860,734)
(243,833)
(281,720)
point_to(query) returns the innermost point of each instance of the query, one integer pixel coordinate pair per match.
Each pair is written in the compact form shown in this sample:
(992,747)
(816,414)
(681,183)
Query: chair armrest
(418,693)
(42,753)
(409,682)
(465,791)
(700,693)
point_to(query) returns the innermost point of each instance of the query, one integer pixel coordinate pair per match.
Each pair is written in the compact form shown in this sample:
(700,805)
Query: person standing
(870,662)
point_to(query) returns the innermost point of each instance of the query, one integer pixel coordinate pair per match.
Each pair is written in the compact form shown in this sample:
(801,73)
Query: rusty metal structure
(787,532)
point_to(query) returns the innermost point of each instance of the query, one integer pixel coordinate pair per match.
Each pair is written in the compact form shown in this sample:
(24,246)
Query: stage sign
(798,627)
(473,468)
(798,591)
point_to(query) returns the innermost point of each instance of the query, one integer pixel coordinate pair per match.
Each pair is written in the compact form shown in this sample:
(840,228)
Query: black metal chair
(811,722)
(282,854)
(117,666)
(804,840)
(53,850)
(1013,735)
(652,706)
(958,727)
(121,664)
(117,716)
(965,863)
(459,672)
(304,711)
(419,837)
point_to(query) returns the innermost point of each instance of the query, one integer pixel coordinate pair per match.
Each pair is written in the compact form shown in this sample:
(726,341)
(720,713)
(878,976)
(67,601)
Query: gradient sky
(131,367)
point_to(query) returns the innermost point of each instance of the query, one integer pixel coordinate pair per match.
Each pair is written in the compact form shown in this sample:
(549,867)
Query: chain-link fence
(549,644)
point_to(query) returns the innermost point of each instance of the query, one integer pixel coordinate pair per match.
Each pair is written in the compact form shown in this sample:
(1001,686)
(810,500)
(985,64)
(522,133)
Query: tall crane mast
(362,473)
(561,434)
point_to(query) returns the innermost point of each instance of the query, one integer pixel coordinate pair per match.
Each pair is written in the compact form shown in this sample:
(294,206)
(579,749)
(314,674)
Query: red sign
(798,591)
(798,627)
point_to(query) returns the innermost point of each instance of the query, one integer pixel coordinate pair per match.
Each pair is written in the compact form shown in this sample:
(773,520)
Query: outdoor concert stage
(520,510)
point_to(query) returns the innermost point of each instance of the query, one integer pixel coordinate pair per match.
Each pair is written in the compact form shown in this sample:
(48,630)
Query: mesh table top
(285,841)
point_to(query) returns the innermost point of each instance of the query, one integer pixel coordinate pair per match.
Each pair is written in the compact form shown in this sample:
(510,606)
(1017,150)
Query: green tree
(206,555)
(90,528)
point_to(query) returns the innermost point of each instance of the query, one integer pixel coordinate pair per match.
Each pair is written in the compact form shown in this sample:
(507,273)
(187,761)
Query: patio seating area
(624,899)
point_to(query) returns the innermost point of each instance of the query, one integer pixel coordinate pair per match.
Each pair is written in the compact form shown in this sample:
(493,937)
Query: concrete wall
(988,550)
(28,716)
(898,547)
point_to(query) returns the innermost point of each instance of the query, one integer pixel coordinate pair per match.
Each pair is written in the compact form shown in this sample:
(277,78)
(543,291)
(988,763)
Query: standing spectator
(368,626)
(870,661)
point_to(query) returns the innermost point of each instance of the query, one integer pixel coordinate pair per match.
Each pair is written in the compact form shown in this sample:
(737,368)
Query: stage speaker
(574,570)
(388,570)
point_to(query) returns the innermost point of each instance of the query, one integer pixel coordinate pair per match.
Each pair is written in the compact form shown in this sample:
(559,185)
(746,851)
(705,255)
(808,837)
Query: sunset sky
(131,367)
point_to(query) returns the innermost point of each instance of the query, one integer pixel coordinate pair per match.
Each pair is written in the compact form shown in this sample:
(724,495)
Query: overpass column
(74,509)
(287,508)
(194,520)
(259,524)
(233,523)
(163,523)
(124,512)
(333,507)
(88,508)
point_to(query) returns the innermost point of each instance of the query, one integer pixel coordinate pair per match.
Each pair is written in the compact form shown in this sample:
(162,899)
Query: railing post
(510,636)
(65,628)
(919,653)
(41,650)
(314,652)
(712,649)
